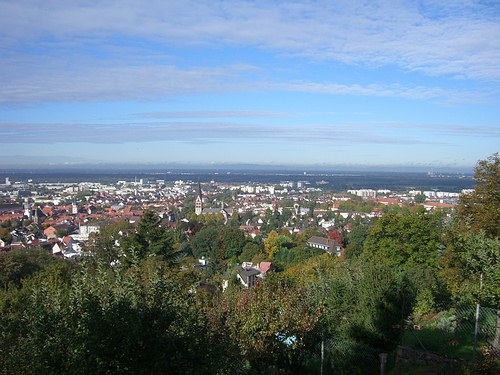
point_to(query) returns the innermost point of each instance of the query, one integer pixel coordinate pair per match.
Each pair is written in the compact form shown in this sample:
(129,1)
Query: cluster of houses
(248,273)
(60,217)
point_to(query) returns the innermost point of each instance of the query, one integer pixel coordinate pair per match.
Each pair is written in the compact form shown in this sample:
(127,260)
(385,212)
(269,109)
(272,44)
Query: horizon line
(237,167)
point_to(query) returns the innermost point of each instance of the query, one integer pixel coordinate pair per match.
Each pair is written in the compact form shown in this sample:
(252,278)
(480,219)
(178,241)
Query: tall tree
(481,209)
(233,241)
(473,252)
(150,239)
(408,240)
(204,241)
(356,237)
(471,267)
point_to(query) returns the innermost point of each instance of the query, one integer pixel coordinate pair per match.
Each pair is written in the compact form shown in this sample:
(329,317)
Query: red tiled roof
(265,266)
(11,216)
(49,230)
(48,210)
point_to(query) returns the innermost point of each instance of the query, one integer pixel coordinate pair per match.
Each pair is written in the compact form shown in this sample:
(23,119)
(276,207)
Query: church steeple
(36,218)
(198,204)
(27,208)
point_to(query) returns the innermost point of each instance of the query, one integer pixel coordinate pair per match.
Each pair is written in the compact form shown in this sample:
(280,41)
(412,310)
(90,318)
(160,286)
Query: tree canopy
(148,313)
(480,210)
(413,239)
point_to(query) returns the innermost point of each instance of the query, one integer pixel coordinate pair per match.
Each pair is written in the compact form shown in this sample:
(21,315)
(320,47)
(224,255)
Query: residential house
(330,246)
(247,276)
(58,248)
(50,232)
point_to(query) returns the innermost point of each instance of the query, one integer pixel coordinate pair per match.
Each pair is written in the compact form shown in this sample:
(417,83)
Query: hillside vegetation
(147,307)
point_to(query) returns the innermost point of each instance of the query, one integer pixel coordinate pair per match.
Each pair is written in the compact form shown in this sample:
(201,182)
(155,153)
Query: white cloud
(222,132)
(57,50)
(395,90)
(59,81)
(436,38)
(209,114)
(91,80)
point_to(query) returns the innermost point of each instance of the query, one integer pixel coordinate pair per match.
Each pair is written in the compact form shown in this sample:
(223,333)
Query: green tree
(286,214)
(234,221)
(271,244)
(5,235)
(363,304)
(412,242)
(250,251)
(288,257)
(480,210)
(471,255)
(408,240)
(150,239)
(104,243)
(269,323)
(204,241)
(247,216)
(232,240)
(362,301)
(137,320)
(18,265)
(216,259)
(472,268)
(472,272)
(275,242)
(356,238)
(420,198)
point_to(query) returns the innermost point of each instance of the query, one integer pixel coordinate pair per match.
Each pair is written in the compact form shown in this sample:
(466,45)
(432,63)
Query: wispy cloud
(456,38)
(91,80)
(57,50)
(56,82)
(221,132)
(209,114)
(394,90)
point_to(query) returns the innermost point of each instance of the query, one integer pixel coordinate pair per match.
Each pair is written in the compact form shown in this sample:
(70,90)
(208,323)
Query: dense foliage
(141,303)
(480,210)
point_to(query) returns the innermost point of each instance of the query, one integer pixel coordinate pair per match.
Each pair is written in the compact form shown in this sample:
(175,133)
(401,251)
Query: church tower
(36,218)
(198,204)
(27,208)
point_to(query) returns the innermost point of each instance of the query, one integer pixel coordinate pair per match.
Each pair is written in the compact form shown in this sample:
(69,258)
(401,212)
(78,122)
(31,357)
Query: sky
(375,84)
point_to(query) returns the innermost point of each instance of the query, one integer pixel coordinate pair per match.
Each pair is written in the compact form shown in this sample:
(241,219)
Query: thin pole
(476,332)
(383,361)
(476,327)
(322,353)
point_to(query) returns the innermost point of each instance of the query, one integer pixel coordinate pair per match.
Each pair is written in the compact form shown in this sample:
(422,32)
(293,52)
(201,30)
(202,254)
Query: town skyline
(345,85)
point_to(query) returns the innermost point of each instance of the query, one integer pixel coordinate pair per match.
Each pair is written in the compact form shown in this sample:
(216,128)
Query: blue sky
(326,83)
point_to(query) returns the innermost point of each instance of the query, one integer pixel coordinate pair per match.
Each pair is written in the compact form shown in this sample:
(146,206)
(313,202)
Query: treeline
(141,304)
